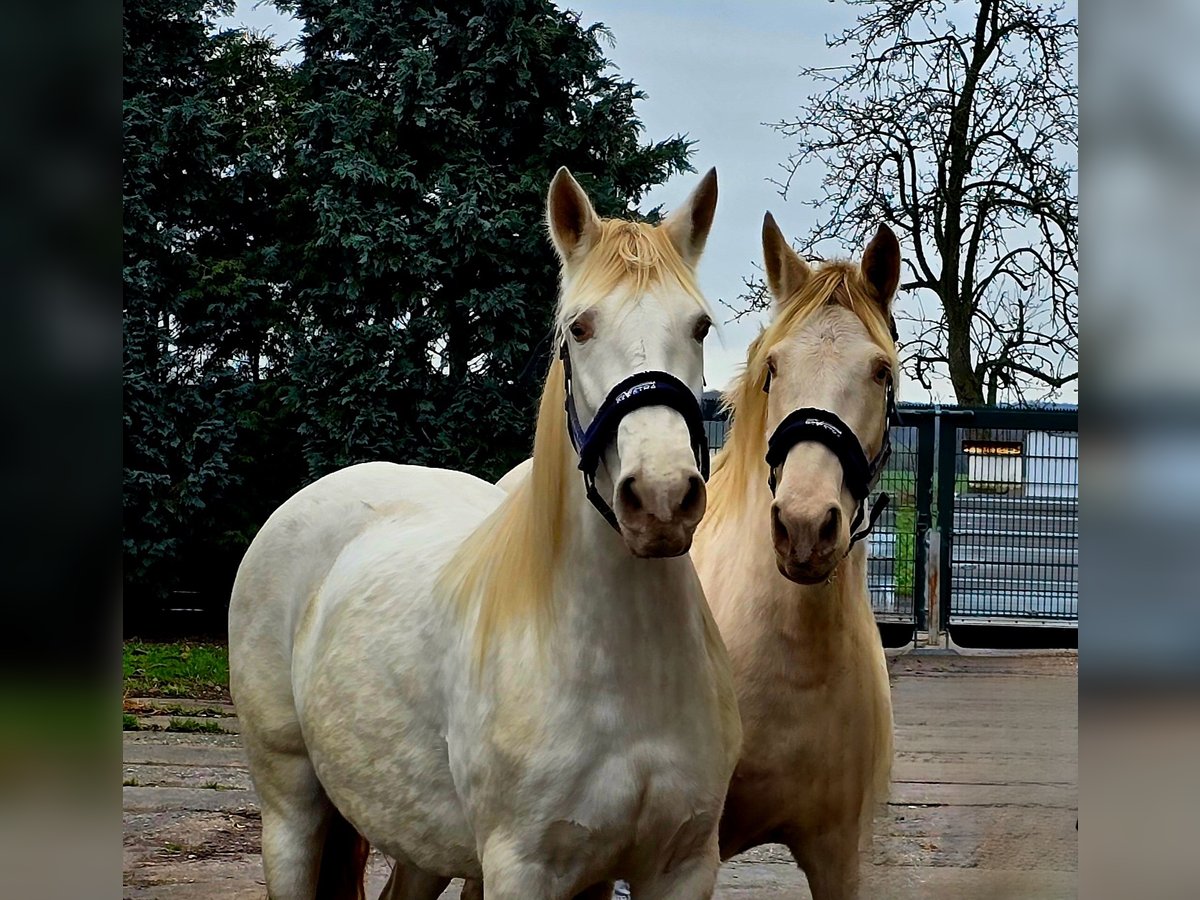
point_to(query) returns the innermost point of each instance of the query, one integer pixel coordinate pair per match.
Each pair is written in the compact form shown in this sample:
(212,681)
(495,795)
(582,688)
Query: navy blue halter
(642,389)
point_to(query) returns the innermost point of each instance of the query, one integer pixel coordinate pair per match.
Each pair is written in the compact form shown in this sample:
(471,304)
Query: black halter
(825,427)
(639,390)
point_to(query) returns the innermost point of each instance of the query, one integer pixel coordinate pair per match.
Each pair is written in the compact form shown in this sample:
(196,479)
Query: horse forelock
(625,262)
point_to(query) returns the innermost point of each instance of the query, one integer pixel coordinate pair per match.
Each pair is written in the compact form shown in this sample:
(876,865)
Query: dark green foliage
(204,137)
(343,260)
(426,140)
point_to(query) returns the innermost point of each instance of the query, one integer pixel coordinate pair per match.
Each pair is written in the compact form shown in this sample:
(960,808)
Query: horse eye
(883,372)
(581,329)
(771,367)
(703,324)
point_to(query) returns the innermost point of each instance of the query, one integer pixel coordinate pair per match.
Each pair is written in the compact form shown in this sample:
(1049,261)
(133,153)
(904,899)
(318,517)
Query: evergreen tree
(427,134)
(203,124)
(344,260)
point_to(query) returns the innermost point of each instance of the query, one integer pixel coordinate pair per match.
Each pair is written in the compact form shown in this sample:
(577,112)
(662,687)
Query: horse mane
(740,464)
(506,568)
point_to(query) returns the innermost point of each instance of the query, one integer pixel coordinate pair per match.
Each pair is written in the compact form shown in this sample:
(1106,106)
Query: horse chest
(621,773)
(808,738)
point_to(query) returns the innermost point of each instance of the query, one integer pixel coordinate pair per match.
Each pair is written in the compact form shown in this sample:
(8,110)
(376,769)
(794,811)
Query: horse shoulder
(511,479)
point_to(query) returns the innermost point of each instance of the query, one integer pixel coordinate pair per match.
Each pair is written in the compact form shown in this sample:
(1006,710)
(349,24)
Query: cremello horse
(501,686)
(788,592)
(787,587)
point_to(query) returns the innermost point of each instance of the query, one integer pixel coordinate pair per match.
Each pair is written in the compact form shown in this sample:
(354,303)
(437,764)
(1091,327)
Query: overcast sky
(716,72)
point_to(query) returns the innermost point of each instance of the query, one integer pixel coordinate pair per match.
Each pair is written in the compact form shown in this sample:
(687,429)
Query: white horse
(502,686)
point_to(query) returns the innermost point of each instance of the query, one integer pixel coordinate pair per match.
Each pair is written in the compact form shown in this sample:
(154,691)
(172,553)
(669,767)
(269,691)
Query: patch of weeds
(194,726)
(217,786)
(130,723)
(130,782)
(183,669)
(172,847)
(174,709)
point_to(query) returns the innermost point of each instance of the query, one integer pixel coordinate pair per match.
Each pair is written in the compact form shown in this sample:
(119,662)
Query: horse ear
(786,271)
(688,226)
(881,266)
(572,221)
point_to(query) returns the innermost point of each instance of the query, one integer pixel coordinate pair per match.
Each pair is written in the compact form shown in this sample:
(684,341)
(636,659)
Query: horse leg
(694,878)
(601,891)
(473,890)
(411,883)
(296,816)
(830,861)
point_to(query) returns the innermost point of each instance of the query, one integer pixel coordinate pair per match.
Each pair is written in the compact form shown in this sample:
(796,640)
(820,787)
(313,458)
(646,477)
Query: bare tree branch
(962,136)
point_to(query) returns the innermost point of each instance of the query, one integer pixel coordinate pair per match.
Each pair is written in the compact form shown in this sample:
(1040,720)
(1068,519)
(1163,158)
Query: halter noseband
(825,427)
(639,390)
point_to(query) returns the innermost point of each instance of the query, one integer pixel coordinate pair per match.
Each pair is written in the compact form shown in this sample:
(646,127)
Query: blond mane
(740,464)
(507,567)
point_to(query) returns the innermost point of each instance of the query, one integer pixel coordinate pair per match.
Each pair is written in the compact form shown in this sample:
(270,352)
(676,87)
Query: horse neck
(613,596)
(825,614)
(812,620)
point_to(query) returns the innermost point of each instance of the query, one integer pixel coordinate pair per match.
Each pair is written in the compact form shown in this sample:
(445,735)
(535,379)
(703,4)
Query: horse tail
(343,862)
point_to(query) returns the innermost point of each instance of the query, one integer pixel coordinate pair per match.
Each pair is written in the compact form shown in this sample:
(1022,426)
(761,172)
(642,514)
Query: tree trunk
(968,388)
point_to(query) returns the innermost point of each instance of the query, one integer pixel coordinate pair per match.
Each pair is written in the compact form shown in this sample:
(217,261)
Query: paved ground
(984,802)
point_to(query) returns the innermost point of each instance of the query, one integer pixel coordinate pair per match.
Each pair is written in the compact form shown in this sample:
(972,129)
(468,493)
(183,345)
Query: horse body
(315,675)
(494,685)
(786,580)
(812,690)
(547,738)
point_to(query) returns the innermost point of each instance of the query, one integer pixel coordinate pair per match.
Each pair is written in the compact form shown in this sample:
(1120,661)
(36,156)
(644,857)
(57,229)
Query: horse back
(288,561)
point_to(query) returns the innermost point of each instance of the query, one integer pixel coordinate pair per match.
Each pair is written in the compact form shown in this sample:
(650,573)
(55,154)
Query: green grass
(901,484)
(197,671)
(906,545)
(194,726)
(153,708)
(189,726)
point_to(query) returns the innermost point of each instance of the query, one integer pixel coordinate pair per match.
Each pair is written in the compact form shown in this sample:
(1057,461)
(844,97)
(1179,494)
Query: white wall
(1051,464)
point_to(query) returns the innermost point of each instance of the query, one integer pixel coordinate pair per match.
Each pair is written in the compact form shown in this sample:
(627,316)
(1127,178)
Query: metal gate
(983,524)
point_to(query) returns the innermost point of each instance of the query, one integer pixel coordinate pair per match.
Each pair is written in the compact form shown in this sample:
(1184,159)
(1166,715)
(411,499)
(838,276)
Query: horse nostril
(628,496)
(828,532)
(779,532)
(694,497)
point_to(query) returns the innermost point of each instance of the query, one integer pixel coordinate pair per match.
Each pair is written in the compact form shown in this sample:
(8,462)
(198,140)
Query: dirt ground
(984,800)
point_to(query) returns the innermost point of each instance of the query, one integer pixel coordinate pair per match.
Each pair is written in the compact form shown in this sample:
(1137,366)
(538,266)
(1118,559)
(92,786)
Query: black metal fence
(983,526)
(892,573)
(1009,521)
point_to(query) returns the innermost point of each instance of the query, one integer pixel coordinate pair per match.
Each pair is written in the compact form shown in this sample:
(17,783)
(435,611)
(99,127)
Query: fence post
(931,576)
(947,453)
(924,521)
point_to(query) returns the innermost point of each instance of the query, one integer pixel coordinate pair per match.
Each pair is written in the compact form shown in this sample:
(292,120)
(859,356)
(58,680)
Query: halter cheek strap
(642,389)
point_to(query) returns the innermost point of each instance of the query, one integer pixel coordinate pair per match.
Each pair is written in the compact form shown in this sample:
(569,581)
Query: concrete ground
(984,799)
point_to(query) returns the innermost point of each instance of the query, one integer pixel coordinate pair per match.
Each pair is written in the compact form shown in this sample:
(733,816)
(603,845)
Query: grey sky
(715,71)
